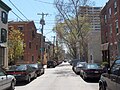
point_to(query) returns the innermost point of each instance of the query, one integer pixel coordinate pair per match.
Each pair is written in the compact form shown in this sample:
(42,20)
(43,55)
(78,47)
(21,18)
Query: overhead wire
(17,15)
(48,32)
(53,3)
(26,17)
(18,10)
(44,2)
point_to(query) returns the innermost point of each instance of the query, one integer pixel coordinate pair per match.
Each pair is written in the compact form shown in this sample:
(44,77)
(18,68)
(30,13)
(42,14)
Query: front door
(1,56)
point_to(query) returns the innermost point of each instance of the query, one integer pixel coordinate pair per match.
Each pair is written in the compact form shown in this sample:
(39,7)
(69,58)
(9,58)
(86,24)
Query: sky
(31,8)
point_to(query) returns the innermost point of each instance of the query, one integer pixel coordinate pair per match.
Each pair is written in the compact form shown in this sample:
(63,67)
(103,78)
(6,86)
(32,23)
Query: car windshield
(1,73)
(18,67)
(93,66)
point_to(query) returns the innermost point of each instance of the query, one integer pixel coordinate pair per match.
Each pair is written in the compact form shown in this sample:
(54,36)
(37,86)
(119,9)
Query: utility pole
(53,46)
(42,22)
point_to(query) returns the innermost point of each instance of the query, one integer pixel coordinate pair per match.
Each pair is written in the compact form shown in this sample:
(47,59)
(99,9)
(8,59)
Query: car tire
(39,74)
(83,76)
(102,87)
(28,79)
(12,87)
(35,76)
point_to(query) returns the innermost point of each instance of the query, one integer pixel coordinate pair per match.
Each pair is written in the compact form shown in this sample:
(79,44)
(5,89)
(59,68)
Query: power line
(54,3)
(48,32)
(18,10)
(17,15)
(44,2)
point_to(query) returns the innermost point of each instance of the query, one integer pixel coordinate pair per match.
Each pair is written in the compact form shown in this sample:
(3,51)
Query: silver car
(79,66)
(6,81)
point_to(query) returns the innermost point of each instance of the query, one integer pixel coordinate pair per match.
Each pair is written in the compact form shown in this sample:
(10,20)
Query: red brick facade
(110,30)
(32,40)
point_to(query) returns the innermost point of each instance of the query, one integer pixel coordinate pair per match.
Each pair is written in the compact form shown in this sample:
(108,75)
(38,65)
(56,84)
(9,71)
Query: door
(118,77)
(3,80)
(114,75)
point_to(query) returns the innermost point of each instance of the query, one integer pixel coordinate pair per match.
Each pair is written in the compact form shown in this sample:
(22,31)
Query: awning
(104,46)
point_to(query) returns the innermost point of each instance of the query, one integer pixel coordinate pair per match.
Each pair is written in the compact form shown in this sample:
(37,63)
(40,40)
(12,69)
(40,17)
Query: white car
(6,81)
(79,66)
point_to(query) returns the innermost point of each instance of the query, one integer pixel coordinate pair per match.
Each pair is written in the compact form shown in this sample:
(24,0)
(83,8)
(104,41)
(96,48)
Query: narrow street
(60,78)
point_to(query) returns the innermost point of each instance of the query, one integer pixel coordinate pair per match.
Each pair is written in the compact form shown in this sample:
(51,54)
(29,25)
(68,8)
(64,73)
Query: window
(4,17)
(116,26)
(110,29)
(30,45)
(32,58)
(115,6)
(106,36)
(2,73)
(105,18)
(36,47)
(3,35)
(110,12)
(33,34)
(20,28)
(115,68)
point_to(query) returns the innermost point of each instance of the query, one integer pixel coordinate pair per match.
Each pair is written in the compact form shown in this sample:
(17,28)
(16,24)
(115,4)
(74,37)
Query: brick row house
(110,31)
(32,40)
(4,10)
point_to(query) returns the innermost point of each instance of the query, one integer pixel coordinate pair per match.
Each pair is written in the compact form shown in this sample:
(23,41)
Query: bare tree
(72,26)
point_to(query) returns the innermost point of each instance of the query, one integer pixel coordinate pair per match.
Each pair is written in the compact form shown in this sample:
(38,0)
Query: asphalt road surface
(59,78)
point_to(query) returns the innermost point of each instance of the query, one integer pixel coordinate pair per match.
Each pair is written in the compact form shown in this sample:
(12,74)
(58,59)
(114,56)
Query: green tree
(15,45)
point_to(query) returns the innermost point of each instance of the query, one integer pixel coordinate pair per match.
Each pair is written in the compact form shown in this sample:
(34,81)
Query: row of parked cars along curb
(16,73)
(109,77)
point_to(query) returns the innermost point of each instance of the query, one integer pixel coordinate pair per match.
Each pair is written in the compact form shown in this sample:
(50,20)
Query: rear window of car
(18,67)
(117,62)
(34,65)
(93,66)
(50,62)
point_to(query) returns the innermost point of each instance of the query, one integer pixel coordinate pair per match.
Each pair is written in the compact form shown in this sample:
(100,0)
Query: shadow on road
(92,80)
(64,64)
(22,83)
(65,73)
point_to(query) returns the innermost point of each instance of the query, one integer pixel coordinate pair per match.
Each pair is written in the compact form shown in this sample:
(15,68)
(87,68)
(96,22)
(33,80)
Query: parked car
(111,79)
(51,64)
(39,69)
(79,66)
(74,63)
(91,70)
(6,81)
(22,72)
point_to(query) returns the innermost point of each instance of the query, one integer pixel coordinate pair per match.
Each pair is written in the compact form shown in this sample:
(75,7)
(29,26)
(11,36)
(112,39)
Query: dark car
(39,69)
(6,81)
(111,79)
(51,64)
(22,72)
(91,70)
(74,62)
